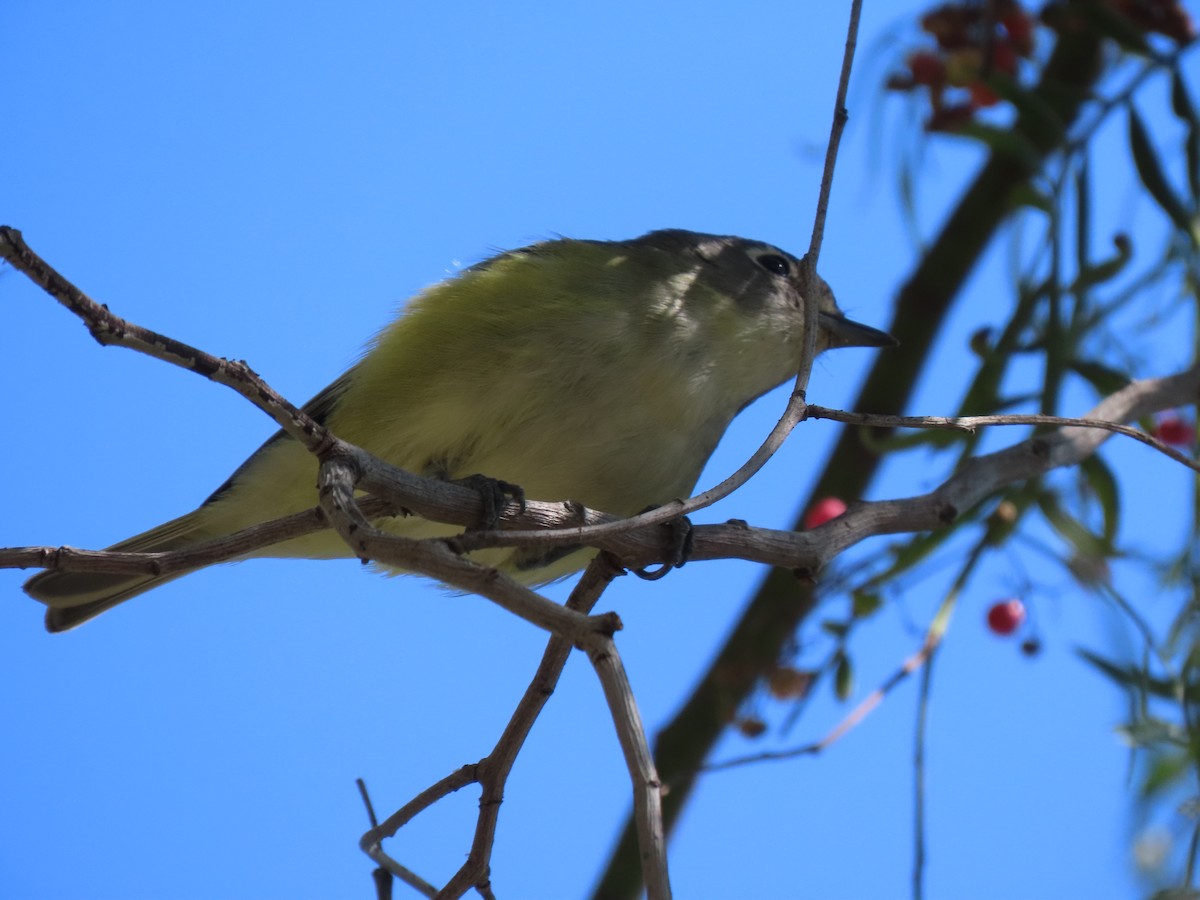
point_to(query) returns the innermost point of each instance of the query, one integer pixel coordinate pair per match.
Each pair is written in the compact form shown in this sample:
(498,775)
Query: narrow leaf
(1003,142)
(1104,487)
(1083,219)
(1131,677)
(1165,771)
(1086,544)
(1185,109)
(1105,379)
(865,603)
(1105,270)
(1113,24)
(1150,731)
(1151,173)
(844,678)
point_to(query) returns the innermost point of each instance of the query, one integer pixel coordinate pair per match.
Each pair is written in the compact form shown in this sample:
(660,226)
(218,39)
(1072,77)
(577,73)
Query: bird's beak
(845,333)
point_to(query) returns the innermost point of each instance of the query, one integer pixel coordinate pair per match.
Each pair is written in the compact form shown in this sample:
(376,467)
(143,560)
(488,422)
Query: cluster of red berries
(974,41)
(978,43)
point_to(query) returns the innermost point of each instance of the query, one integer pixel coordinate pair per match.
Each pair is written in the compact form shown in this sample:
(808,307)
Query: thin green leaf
(837,629)
(1150,732)
(1087,545)
(908,203)
(1104,487)
(1112,24)
(907,555)
(1083,219)
(1151,173)
(864,604)
(1164,771)
(843,679)
(1105,379)
(1030,104)
(1106,270)
(1027,195)
(1003,142)
(1185,109)
(1131,677)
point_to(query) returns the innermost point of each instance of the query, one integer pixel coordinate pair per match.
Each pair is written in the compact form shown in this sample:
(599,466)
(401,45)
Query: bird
(603,372)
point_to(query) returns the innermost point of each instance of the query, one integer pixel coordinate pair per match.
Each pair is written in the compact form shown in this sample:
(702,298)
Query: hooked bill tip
(848,333)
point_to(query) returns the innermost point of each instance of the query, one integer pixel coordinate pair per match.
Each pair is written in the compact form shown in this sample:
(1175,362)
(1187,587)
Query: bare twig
(972,423)
(840,116)
(494,769)
(371,841)
(337,481)
(110,329)
(381,876)
(852,719)
(933,638)
(647,790)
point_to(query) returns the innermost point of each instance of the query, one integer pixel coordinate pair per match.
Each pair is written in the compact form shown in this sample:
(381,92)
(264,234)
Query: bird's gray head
(762,279)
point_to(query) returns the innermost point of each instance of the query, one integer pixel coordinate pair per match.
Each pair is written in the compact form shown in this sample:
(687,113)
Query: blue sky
(270,182)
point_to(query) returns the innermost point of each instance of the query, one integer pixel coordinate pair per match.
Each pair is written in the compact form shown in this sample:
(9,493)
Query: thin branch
(856,716)
(840,116)
(382,877)
(370,843)
(934,636)
(971,423)
(494,769)
(337,482)
(918,876)
(928,512)
(110,329)
(806,552)
(647,789)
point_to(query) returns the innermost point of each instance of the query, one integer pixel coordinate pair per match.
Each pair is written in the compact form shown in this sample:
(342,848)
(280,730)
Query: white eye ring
(775,263)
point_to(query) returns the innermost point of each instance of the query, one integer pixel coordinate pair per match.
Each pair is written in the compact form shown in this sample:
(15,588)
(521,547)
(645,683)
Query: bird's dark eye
(775,264)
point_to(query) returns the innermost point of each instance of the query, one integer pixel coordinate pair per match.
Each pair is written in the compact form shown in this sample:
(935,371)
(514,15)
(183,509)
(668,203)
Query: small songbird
(603,372)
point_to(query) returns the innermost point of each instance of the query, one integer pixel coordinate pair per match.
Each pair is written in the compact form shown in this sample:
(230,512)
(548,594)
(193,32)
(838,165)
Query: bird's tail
(75,597)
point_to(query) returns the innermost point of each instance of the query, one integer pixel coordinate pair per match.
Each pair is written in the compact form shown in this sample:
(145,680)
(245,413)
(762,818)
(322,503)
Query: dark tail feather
(67,594)
(75,597)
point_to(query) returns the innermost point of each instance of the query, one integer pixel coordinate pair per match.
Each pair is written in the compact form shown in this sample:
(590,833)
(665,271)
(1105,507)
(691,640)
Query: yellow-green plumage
(602,372)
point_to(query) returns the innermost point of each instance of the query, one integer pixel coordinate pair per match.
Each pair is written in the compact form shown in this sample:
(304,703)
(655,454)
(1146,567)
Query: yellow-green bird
(603,372)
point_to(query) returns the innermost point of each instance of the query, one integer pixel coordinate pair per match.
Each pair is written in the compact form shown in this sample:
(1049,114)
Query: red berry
(982,95)
(824,510)
(1006,616)
(926,68)
(1004,58)
(1020,28)
(1174,430)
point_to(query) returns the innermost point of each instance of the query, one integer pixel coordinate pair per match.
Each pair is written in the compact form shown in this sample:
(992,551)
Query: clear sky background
(270,181)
